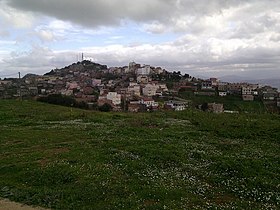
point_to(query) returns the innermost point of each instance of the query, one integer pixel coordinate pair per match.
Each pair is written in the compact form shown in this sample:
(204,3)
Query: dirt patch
(9,205)
(50,153)
(56,151)
(43,162)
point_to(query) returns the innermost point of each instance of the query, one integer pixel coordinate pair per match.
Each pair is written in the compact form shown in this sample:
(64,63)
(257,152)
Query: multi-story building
(134,90)
(145,70)
(114,97)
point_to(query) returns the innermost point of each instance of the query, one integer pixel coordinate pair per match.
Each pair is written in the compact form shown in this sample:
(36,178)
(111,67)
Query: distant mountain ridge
(274,82)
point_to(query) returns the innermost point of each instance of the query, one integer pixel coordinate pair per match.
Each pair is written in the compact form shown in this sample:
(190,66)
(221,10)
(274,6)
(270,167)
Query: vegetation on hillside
(66,158)
(63,100)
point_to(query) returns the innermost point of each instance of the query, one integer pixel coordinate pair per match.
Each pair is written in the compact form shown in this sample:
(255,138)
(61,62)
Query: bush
(59,99)
(105,108)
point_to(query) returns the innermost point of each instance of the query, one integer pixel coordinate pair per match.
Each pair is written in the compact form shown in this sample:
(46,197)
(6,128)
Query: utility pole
(20,96)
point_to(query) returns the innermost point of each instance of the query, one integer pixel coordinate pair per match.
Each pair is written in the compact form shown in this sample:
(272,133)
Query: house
(114,97)
(205,93)
(176,105)
(246,90)
(248,97)
(149,102)
(145,70)
(33,91)
(134,90)
(267,89)
(6,82)
(249,89)
(206,85)
(215,108)
(134,106)
(133,83)
(214,81)
(278,102)
(269,96)
(222,93)
(150,90)
(235,88)
(158,70)
(223,86)
(143,79)
(268,93)
(188,88)
(144,104)
(163,87)
(132,67)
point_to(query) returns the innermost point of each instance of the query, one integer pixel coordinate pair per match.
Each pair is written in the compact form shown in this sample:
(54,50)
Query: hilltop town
(133,88)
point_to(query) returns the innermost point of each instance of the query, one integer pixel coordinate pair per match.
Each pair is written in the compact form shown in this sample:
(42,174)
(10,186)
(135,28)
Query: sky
(200,37)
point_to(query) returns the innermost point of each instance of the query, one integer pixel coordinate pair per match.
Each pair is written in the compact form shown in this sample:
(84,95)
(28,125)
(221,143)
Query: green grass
(65,158)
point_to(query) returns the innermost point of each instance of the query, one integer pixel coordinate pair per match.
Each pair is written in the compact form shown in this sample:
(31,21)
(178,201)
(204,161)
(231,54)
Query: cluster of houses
(123,88)
(214,87)
(133,88)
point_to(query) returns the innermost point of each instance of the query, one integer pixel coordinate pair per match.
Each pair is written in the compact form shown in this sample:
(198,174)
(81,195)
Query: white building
(114,97)
(149,102)
(134,90)
(150,90)
(222,93)
(143,79)
(249,89)
(145,70)
(163,87)
(153,89)
(177,105)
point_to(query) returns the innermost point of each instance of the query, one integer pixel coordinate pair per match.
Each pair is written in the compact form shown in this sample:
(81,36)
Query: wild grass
(65,158)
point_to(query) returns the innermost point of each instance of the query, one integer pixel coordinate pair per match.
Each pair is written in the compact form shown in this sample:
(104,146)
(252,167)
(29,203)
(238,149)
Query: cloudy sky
(200,37)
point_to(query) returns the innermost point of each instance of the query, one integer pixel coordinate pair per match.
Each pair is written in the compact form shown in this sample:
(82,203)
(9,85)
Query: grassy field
(64,158)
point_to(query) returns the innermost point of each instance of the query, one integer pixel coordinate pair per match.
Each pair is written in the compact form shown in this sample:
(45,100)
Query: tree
(204,107)
(105,108)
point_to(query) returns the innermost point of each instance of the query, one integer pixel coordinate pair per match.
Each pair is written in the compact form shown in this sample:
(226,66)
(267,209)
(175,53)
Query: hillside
(65,158)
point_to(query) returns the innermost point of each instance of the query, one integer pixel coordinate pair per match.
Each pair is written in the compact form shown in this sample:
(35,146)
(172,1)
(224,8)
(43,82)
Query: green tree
(105,108)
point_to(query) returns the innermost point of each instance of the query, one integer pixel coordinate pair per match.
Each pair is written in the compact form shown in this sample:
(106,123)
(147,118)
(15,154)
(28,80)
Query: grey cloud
(97,12)
(255,23)
(38,60)
(275,37)
(4,33)
(110,12)
(160,16)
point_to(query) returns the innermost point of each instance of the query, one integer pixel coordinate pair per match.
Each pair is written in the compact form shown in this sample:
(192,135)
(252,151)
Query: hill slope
(65,158)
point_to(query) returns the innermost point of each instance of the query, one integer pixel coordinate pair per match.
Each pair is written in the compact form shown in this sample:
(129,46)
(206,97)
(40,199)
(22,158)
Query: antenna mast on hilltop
(79,57)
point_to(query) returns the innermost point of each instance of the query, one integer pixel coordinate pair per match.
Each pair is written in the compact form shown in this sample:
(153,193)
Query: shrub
(105,108)
(59,99)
